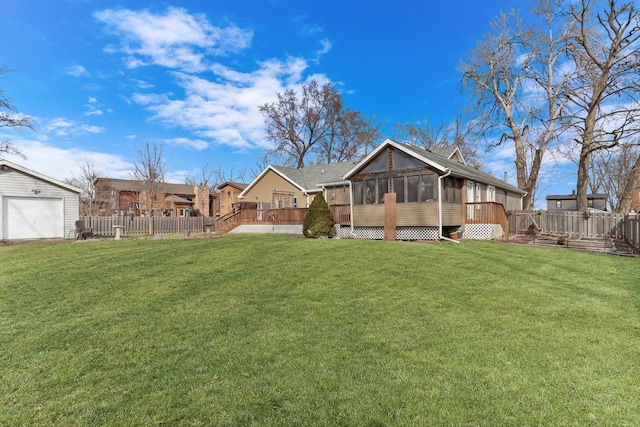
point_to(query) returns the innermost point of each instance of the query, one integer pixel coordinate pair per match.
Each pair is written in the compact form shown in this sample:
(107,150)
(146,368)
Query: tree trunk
(624,202)
(582,186)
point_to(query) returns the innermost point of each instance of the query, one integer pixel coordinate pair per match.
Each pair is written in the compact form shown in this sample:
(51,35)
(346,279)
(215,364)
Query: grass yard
(277,330)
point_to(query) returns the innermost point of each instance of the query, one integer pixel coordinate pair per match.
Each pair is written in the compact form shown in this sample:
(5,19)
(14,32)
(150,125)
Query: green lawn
(279,330)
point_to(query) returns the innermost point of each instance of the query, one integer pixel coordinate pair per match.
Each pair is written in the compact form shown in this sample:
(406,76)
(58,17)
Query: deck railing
(487,213)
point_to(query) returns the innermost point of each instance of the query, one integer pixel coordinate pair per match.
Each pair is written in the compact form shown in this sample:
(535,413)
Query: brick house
(136,198)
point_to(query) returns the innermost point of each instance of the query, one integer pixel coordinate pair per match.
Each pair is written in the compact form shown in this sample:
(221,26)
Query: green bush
(318,221)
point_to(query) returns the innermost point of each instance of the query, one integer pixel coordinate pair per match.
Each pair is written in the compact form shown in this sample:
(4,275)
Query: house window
(491,193)
(590,203)
(379,164)
(558,204)
(370,192)
(412,188)
(405,161)
(358,193)
(452,190)
(398,188)
(383,187)
(427,190)
(478,193)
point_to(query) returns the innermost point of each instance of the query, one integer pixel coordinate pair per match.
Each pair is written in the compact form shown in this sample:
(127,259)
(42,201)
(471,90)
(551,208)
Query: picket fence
(577,225)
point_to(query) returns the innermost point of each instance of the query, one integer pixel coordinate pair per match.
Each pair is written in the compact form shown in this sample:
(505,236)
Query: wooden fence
(577,225)
(103,225)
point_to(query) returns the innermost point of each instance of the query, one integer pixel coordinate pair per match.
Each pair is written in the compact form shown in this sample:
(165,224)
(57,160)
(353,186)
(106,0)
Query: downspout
(440,178)
(352,232)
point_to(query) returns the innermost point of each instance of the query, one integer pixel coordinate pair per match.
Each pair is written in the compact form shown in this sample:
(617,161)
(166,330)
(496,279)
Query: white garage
(34,206)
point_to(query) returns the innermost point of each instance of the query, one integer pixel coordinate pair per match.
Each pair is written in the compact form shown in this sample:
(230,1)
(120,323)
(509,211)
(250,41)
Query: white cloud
(326,46)
(60,163)
(173,38)
(61,127)
(76,71)
(225,110)
(197,144)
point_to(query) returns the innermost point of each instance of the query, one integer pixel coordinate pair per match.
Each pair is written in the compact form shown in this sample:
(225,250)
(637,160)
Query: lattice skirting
(377,233)
(482,231)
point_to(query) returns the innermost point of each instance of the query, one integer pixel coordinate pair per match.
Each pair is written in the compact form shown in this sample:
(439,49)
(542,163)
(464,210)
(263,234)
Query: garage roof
(5,164)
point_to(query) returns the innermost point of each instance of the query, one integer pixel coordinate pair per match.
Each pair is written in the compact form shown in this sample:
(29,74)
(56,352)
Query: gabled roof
(449,152)
(309,179)
(137,186)
(237,185)
(7,164)
(438,162)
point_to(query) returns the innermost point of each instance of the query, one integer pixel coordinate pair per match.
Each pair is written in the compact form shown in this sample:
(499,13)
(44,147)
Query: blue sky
(100,77)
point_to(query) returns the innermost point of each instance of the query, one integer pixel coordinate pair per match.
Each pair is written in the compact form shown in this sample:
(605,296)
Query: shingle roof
(462,170)
(311,178)
(238,185)
(135,185)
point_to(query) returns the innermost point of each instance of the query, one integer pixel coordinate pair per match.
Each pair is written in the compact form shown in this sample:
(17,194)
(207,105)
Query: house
(568,202)
(398,191)
(35,206)
(290,189)
(136,198)
(280,187)
(228,194)
(403,192)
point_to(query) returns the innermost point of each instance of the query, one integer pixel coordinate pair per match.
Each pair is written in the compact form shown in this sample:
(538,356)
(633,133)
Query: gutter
(440,178)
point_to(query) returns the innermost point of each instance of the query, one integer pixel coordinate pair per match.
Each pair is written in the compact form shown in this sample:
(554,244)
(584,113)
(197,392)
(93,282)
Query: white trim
(397,145)
(40,176)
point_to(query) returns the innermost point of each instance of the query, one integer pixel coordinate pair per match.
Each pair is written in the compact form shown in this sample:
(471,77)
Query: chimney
(505,176)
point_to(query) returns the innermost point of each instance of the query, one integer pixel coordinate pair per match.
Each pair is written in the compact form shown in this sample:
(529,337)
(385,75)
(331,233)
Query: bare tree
(85,181)
(423,134)
(313,126)
(214,177)
(516,79)
(10,118)
(616,172)
(604,96)
(149,170)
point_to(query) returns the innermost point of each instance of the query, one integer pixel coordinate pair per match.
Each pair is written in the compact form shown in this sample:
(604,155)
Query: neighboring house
(435,195)
(228,193)
(568,202)
(35,206)
(122,197)
(280,187)
(290,189)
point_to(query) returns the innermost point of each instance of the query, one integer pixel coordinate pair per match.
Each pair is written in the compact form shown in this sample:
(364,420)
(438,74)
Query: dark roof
(457,168)
(574,196)
(237,185)
(311,178)
(137,186)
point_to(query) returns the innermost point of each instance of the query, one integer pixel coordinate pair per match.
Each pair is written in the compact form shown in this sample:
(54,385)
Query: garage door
(32,218)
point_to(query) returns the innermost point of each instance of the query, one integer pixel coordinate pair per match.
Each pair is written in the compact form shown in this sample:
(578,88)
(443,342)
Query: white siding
(15,184)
